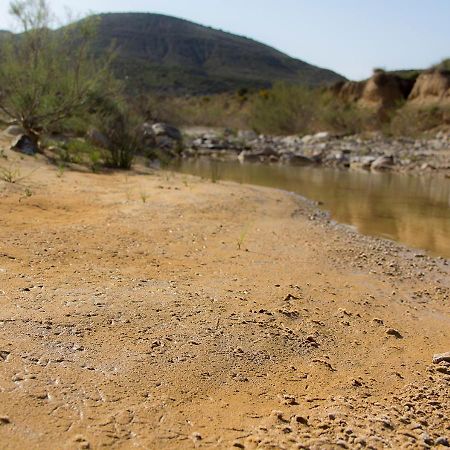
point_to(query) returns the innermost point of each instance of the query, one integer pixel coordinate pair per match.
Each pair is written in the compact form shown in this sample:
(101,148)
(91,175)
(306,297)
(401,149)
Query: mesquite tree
(47,75)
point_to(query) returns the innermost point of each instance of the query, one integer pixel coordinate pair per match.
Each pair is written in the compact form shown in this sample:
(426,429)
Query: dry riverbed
(153,310)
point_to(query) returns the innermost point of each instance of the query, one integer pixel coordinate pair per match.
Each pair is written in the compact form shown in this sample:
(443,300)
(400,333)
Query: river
(411,209)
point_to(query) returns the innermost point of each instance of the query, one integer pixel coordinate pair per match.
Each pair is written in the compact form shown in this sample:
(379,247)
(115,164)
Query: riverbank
(361,152)
(154,310)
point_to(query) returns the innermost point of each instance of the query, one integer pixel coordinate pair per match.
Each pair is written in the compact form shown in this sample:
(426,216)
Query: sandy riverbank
(165,311)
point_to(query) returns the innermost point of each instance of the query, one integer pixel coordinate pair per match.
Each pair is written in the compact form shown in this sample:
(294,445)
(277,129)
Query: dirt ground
(155,311)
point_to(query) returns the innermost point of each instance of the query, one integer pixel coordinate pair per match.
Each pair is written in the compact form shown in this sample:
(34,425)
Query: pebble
(288,399)
(393,332)
(301,420)
(442,441)
(427,439)
(4,420)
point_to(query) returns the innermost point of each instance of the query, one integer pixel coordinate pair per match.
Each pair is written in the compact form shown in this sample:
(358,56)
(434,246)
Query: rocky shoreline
(375,152)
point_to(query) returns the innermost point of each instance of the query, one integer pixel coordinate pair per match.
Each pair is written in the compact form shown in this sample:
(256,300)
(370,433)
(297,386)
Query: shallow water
(411,209)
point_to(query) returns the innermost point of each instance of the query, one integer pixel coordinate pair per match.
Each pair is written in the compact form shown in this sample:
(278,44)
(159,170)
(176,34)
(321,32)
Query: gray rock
(164,129)
(24,144)
(383,163)
(15,130)
(367,161)
(247,135)
(297,159)
(322,136)
(250,156)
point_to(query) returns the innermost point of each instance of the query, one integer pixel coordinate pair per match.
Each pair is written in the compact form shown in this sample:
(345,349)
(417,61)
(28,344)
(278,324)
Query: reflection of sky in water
(414,210)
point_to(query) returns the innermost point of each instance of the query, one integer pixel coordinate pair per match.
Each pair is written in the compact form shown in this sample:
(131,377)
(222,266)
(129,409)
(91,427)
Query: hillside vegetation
(164,54)
(167,54)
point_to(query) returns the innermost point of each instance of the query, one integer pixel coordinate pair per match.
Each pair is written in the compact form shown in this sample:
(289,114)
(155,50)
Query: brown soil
(161,311)
(431,87)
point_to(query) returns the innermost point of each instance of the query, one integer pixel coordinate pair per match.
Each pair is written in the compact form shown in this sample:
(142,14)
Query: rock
(342,158)
(4,420)
(297,160)
(439,357)
(249,156)
(300,420)
(322,136)
(15,130)
(24,144)
(291,141)
(426,438)
(247,135)
(444,367)
(383,163)
(395,333)
(286,399)
(257,156)
(366,162)
(97,138)
(442,441)
(164,129)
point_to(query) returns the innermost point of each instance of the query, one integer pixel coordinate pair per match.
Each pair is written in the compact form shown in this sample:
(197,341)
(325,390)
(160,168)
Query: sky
(351,37)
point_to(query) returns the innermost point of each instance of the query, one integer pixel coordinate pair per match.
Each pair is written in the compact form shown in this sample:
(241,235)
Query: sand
(155,310)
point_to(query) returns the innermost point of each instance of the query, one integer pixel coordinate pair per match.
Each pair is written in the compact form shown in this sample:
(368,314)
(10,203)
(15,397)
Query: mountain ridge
(165,53)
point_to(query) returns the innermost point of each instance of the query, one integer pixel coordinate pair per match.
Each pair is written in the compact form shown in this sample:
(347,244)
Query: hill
(158,52)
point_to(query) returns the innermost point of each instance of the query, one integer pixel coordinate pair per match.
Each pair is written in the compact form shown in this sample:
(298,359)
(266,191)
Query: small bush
(409,121)
(342,117)
(117,123)
(286,109)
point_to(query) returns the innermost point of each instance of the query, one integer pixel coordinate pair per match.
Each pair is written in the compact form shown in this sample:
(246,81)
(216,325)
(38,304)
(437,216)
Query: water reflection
(414,210)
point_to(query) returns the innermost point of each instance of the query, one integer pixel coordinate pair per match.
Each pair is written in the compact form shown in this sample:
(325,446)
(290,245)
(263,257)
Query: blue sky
(349,36)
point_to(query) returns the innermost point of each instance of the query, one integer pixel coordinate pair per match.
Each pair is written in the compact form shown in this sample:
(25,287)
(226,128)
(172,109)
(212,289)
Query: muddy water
(411,209)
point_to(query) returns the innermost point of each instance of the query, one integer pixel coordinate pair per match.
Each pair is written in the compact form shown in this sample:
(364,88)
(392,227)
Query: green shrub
(336,115)
(412,121)
(286,109)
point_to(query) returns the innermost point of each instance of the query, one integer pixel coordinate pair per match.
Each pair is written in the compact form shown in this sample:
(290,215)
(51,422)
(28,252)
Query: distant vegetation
(62,83)
(288,109)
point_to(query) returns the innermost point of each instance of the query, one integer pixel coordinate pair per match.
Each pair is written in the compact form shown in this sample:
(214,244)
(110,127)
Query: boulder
(362,162)
(24,144)
(296,159)
(15,130)
(247,135)
(322,136)
(367,161)
(250,156)
(164,129)
(385,162)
